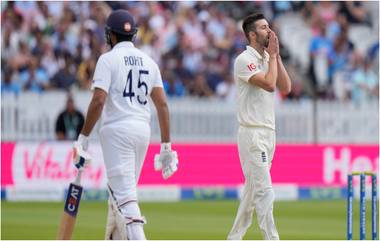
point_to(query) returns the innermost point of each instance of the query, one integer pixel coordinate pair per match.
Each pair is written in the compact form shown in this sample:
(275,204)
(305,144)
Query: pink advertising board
(48,164)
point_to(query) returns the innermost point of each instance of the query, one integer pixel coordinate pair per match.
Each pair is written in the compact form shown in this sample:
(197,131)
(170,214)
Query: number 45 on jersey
(141,85)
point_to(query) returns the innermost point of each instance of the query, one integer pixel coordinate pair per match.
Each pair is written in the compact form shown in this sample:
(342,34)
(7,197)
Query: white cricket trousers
(124,147)
(256,147)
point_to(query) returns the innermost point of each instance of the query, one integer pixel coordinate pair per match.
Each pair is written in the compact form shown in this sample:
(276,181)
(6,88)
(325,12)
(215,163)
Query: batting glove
(167,161)
(80,155)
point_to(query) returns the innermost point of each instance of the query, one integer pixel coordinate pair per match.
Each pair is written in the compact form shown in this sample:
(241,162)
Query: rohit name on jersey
(133,61)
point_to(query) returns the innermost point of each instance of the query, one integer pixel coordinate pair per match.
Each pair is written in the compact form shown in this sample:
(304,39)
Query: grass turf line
(183,220)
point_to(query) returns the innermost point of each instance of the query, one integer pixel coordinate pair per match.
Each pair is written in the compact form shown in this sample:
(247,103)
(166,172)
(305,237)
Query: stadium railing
(31,117)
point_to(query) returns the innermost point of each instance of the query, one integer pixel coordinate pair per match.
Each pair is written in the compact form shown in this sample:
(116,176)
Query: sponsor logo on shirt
(251,67)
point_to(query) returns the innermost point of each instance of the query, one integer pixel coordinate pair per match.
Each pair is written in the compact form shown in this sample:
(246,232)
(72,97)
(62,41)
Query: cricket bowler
(257,71)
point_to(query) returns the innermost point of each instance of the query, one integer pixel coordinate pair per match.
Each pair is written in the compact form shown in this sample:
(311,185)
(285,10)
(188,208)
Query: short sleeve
(157,79)
(245,68)
(102,75)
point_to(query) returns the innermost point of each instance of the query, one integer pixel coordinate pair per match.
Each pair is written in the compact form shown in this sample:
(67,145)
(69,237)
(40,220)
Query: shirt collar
(255,53)
(124,44)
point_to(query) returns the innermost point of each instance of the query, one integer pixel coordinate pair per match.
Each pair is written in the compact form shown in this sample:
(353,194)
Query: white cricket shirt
(128,76)
(255,105)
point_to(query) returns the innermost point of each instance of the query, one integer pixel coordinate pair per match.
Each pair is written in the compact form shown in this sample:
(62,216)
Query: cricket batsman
(257,71)
(124,78)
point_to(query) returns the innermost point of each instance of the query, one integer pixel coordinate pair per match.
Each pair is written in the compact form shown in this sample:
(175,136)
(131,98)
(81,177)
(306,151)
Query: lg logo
(251,67)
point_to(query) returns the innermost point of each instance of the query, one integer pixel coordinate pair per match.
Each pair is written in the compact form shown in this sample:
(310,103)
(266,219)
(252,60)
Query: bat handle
(78,177)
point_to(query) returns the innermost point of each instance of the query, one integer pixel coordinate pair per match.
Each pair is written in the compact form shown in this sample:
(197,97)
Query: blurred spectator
(173,86)
(327,11)
(69,122)
(8,84)
(373,55)
(145,33)
(22,58)
(284,52)
(151,49)
(320,47)
(193,31)
(336,26)
(227,89)
(365,83)
(184,38)
(307,11)
(192,59)
(65,77)
(85,71)
(48,59)
(34,78)
(199,86)
(44,18)
(37,45)
(354,11)
(298,90)
(12,21)
(339,65)
(182,73)
(166,34)
(280,7)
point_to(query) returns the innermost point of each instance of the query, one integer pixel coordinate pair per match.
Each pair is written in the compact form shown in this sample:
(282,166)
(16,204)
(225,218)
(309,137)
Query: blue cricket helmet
(120,22)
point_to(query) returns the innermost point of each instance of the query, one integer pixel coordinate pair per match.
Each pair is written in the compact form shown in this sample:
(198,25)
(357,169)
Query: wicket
(350,197)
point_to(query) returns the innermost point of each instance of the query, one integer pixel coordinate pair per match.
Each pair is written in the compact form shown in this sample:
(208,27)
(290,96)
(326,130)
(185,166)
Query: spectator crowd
(55,45)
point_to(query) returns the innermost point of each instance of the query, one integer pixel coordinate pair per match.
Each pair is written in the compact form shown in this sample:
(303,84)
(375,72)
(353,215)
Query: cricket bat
(71,208)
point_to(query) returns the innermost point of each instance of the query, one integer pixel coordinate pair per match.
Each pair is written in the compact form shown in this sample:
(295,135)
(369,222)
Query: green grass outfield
(183,220)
